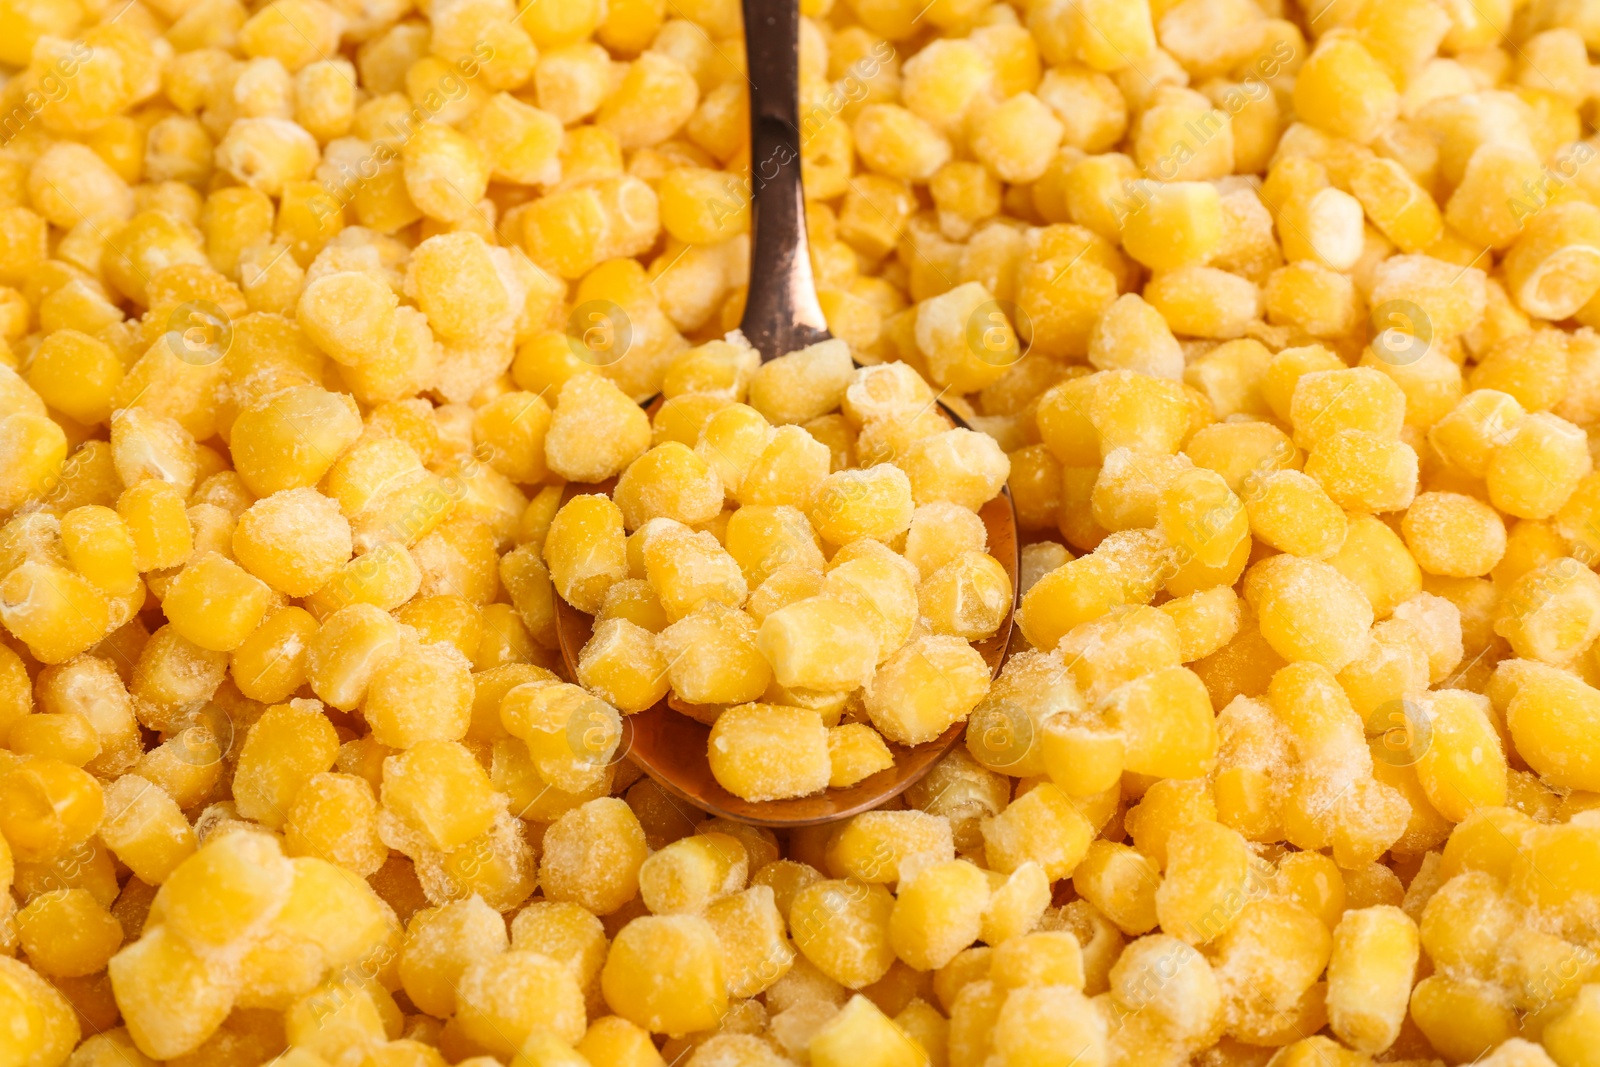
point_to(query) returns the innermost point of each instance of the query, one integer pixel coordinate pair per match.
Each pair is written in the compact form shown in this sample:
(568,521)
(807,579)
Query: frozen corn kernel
(870,846)
(145,829)
(842,929)
(423,695)
(1343,89)
(669,481)
(1043,826)
(1369,976)
(57,613)
(1548,612)
(859,1029)
(439,790)
(1453,535)
(769,752)
(924,688)
(1174,225)
(1309,611)
(664,973)
(502,1000)
(938,911)
(592,855)
(585,550)
(693,872)
(1536,468)
(855,752)
(51,806)
(595,431)
(1364,471)
(44,1026)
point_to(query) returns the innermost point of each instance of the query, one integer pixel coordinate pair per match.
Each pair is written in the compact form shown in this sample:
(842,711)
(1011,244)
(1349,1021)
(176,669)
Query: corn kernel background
(1277,316)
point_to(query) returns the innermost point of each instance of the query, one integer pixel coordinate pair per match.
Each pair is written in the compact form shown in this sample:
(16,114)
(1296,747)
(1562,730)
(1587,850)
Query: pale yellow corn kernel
(76,374)
(1191,210)
(1204,301)
(46,1029)
(622,664)
(938,912)
(1548,270)
(1187,1005)
(1042,826)
(968,597)
(288,745)
(1369,976)
(423,695)
(613,1039)
(592,855)
(1015,139)
(896,142)
(1344,90)
(216,603)
(860,1028)
(145,829)
(692,873)
(267,154)
(55,612)
(99,547)
(1131,335)
(664,973)
(1206,863)
(687,568)
(1540,443)
(590,410)
(842,929)
(654,98)
(294,540)
(769,752)
(712,656)
(669,481)
(1479,208)
(855,752)
(1530,367)
(1396,204)
(925,687)
(1451,299)
(439,790)
(1122,883)
(1460,1019)
(440,944)
(446,172)
(870,846)
(503,1000)
(1468,435)
(585,550)
(67,933)
(966,338)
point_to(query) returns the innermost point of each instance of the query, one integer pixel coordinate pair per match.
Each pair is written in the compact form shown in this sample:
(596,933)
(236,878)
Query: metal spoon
(781,314)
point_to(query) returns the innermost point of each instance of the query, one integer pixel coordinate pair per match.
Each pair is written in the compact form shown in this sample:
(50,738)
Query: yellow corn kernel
(769,752)
(664,973)
(576,866)
(1191,210)
(98,545)
(45,1025)
(76,374)
(1343,89)
(1375,952)
(145,829)
(216,603)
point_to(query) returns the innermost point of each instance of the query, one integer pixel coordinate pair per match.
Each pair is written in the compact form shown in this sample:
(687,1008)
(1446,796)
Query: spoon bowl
(781,315)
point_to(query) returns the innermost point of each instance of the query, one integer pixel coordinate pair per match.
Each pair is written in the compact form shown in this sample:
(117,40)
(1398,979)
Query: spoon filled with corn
(794,576)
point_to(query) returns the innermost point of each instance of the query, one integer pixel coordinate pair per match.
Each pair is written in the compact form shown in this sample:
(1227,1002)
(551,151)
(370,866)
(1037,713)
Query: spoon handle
(781,312)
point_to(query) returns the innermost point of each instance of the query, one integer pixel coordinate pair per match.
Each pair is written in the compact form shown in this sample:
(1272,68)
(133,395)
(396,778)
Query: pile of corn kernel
(737,614)
(1278,319)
